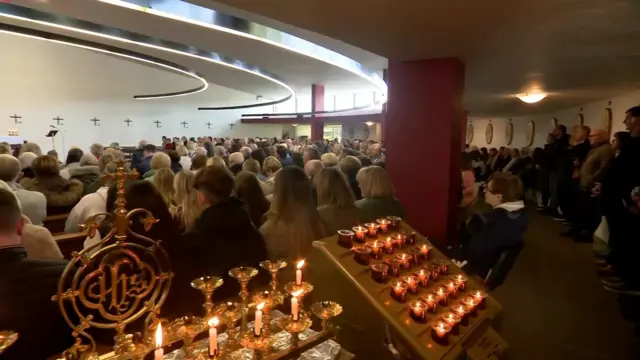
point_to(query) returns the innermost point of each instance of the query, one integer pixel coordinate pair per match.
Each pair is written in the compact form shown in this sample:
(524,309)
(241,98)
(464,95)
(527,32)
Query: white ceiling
(47,70)
(579,50)
(297,70)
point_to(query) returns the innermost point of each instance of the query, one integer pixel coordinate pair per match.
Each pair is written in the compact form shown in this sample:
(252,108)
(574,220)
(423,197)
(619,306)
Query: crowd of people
(587,182)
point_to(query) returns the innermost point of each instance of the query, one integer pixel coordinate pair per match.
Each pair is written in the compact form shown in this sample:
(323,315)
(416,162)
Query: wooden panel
(55,223)
(69,243)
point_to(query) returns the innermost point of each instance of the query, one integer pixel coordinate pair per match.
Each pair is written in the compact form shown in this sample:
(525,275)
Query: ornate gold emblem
(116,281)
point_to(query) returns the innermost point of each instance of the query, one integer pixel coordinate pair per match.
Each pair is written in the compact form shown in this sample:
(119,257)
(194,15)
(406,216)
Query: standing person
(618,183)
(144,165)
(558,168)
(546,157)
(136,156)
(569,191)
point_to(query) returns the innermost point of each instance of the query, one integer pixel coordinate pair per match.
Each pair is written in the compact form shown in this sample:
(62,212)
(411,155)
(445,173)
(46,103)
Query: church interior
(280,179)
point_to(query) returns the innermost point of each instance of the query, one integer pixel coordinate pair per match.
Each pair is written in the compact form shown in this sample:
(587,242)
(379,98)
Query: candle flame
(213,322)
(260,306)
(159,335)
(297,293)
(300,264)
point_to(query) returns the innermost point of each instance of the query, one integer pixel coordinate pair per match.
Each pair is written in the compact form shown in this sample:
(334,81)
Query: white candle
(294,305)
(258,322)
(213,336)
(159,353)
(299,272)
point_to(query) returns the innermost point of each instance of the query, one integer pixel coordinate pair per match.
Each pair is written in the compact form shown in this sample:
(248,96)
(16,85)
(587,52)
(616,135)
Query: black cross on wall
(157,123)
(184,124)
(128,121)
(209,125)
(15,119)
(58,119)
(231,125)
(96,121)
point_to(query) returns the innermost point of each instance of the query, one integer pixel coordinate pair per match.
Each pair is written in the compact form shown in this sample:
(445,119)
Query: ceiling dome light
(369,123)
(531,98)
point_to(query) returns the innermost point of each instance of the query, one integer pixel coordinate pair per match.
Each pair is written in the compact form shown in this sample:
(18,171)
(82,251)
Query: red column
(465,121)
(423,129)
(317,104)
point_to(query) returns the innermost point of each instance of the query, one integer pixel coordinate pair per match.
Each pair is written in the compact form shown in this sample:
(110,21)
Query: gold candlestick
(243,274)
(230,314)
(325,310)
(274,267)
(7,338)
(259,344)
(295,327)
(187,328)
(207,285)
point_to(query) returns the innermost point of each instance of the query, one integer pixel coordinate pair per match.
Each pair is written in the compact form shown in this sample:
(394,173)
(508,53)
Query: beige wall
(592,112)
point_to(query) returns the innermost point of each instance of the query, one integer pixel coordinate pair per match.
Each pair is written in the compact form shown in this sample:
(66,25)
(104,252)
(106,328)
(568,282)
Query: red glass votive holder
(399,291)
(412,282)
(461,280)
(395,221)
(394,266)
(435,271)
(452,288)
(461,310)
(471,305)
(345,238)
(431,302)
(423,277)
(384,225)
(418,311)
(380,272)
(400,239)
(452,320)
(480,297)
(360,232)
(388,245)
(405,260)
(362,254)
(424,250)
(376,247)
(411,239)
(440,332)
(372,229)
(442,295)
(443,265)
(416,259)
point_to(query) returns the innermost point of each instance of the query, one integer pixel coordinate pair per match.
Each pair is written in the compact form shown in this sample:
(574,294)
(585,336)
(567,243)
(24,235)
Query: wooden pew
(69,243)
(55,223)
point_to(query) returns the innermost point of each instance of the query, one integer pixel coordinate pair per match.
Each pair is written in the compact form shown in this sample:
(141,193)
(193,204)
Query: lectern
(52,134)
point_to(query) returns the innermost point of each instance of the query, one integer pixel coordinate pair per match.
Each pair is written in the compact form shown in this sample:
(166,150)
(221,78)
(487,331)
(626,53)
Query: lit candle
(299,272)
(399,291)
(417,311)
(441,293)
(479,297)
(231,306)
(360,232)
(470,303)
(388,245)
(159,353)
(376,248)
(461,281)
(412,283)
(400,239)
(452,320)
(461,311)
(258,323)
(431,301)
(295,313)
(423,277)
(213,337)
(424,250)
(404,260)
(384,225)
(442,266)
(372,228)
(440,329)
(452,288)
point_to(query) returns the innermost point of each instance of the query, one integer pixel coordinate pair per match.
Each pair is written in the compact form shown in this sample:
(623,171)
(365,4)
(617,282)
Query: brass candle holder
(395,221)
(186,329)
(230,314)
(326,310)
(295,327)
(274,267)
(243,274)
(7,338)
(207,285)
(270,300)
(259,344)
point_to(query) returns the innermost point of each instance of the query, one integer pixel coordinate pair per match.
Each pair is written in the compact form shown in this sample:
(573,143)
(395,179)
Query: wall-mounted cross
(184,124)
(128,121)
(58,119)
(157,123)
(231,126)
(209,124)
(96,121)
(15,119)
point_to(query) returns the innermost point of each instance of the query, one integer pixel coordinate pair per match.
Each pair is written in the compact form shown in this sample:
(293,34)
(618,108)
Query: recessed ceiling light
(532,97)
(294,124)
(369,123)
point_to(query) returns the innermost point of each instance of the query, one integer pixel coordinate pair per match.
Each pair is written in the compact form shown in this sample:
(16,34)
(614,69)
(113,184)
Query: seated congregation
(220,203)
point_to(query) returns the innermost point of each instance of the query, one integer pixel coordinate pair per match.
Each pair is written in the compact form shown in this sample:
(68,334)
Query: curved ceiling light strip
(25,14)
(345,63)
(106,49)
(308,113)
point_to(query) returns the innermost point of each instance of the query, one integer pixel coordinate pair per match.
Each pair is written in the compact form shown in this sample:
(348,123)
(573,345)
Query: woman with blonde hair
(251,165)
(159,161)
(247,188)
(335,200)
(378,198)
(293,222)
(163,181)
(216,161)
(187,209)
(350,165)
(32,148)
(270,167)
(185,159)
